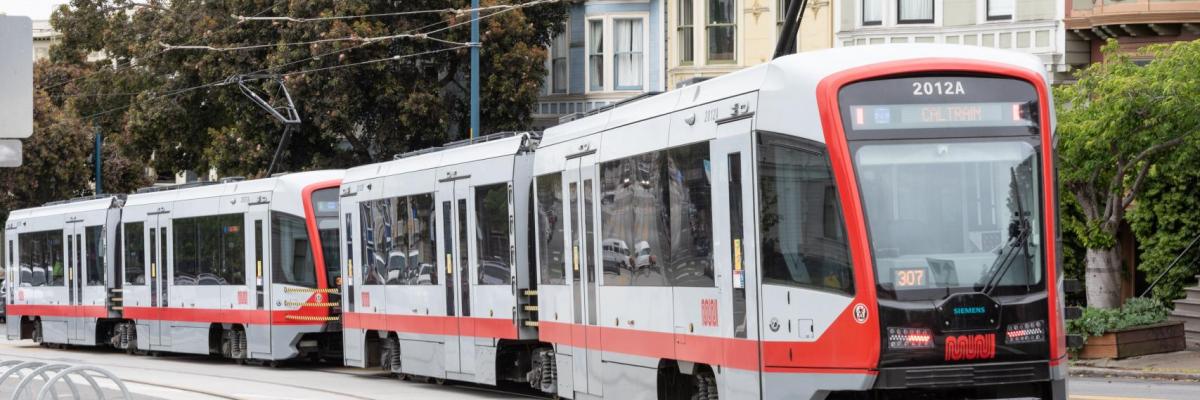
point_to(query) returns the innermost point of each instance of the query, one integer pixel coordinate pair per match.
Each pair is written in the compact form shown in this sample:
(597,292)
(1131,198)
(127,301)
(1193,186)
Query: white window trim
(609,50)
(981,13)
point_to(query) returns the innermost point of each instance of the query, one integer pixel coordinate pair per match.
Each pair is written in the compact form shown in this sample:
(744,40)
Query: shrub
(1135,312)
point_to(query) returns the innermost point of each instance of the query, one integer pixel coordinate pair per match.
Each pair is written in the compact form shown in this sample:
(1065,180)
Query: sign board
(16,77)
(10,153)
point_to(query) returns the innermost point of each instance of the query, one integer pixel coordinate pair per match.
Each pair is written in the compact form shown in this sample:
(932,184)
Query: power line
(418,36)
(394,14)
(131,62)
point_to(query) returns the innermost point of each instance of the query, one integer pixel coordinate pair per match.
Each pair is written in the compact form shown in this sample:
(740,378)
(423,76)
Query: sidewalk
(1177,366)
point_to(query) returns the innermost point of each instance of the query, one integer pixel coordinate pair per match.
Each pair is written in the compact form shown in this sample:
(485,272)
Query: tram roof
(451,154)
(65,207)
(781,78)
(287,184)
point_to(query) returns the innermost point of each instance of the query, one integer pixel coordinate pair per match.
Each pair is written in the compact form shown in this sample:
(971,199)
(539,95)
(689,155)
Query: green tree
(350,116)
(1115,123)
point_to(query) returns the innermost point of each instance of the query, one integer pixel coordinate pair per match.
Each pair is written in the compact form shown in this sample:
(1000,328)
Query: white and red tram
(873,222)
(234,268)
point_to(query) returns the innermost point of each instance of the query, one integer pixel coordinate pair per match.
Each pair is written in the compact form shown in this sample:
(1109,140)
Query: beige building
(1032,26)
(44,36)
(708,38)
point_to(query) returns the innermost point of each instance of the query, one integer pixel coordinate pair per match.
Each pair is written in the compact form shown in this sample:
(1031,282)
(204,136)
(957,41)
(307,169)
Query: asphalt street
(203,378)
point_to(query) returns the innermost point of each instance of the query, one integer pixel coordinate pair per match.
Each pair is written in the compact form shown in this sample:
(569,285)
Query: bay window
(999,9)
(558,64)
(721,30)
(872,12)
(595,50)
(685,32)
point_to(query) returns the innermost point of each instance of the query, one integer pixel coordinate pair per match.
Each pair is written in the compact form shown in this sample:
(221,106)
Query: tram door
(157,227)
(454,194)
(76,328)
(581,186)
(734,223)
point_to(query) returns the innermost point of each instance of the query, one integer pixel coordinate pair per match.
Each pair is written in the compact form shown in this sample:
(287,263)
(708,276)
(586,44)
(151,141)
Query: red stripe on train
(57,310)
(498,328)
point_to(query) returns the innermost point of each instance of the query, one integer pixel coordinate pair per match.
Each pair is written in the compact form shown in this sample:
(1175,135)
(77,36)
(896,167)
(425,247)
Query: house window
(687,48)
(721,30)
(596,54)
(872,12)
(558,64)
(627,56)
(999,9)
(915,11)
(781,7)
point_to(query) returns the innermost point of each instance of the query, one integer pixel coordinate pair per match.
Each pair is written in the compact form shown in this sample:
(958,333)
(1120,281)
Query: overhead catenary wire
(132,62)
(223,82)
(393,14)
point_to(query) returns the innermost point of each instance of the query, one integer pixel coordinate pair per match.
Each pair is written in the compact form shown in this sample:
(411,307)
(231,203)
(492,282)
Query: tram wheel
(37,333)
(439,381)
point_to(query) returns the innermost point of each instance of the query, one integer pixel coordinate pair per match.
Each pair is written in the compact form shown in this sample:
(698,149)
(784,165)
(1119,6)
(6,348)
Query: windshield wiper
(1018,243)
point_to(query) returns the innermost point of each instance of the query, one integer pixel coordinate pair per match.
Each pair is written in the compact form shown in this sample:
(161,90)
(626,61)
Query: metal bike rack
(50,375)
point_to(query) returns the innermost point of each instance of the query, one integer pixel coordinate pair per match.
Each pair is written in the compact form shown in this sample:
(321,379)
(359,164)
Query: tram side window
(656,213)
(422,238)
(135,270)
(398,257)
(550,230)
(492,237)
(210,250)
(801,229)
(94,242)
(377,240)
(42,256)
(291,255)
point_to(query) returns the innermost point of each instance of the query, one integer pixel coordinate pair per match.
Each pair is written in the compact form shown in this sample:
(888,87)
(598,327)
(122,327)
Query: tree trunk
(1104,278)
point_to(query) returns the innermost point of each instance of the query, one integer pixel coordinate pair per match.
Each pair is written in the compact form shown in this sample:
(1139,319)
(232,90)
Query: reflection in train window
(291,255)
(492,236)
(135,254)
(397,256)
(209,250)
(656,213)
(422,238)
(550,230)
(94,238)
(41,258)
(377,240)
(802,245)
(398,241)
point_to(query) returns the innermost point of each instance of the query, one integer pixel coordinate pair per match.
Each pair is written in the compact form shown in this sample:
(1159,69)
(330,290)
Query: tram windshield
(325,208)
(952,216)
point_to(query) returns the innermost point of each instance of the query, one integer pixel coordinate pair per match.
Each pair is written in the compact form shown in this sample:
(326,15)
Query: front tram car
(857,223)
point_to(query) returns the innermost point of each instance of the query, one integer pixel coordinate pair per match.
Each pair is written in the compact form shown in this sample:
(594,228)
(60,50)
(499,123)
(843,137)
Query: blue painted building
(610,51)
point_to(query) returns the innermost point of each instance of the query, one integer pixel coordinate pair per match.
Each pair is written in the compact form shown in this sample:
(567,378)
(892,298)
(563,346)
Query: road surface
(179,377)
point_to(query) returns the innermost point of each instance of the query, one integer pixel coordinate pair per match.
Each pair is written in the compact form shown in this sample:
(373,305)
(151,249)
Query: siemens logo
(968,310)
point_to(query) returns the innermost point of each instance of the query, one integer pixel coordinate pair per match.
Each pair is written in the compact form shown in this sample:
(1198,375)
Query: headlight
(1025,332)
(909,338)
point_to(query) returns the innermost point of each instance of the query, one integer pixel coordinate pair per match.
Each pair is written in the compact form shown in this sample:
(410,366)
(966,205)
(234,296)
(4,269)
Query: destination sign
(946,115)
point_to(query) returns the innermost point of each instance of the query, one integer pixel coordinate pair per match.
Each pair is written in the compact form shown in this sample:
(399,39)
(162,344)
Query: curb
(1098,372)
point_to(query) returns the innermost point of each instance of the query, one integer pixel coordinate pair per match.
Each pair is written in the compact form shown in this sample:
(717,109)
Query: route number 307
(942,88)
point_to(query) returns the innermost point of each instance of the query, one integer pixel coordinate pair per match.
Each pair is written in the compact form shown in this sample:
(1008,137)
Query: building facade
(611,50)
(44,36)
(1132,23)
(1031,26)
(708,38)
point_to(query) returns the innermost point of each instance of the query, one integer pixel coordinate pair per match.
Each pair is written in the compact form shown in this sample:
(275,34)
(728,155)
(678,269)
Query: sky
(35,9)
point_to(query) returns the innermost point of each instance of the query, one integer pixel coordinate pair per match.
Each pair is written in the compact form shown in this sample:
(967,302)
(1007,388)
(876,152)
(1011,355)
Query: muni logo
(968,310)
(971,347)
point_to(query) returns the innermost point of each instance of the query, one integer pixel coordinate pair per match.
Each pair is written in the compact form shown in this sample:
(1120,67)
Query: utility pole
(474,68)
(99,163)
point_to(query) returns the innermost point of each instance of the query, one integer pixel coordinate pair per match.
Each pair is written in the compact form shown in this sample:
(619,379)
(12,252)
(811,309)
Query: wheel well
(216,335)
(27,324)
(372,347)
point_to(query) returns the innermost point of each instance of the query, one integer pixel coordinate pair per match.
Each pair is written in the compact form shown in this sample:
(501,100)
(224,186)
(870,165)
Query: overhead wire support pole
(474,68)
(99,159)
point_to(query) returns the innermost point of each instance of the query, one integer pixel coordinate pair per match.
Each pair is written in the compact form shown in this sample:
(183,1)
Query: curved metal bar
(17,368)
(41,372)
(82,370)
(92,382)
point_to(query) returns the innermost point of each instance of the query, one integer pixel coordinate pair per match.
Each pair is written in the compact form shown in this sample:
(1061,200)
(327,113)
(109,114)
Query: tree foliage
(1115,124)
(351,115)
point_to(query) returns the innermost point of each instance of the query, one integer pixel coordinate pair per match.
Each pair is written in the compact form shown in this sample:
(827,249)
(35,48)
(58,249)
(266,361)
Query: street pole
(474,68)
(99,164)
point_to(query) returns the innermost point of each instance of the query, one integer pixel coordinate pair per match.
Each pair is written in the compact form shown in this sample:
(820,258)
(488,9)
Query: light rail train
(860,223)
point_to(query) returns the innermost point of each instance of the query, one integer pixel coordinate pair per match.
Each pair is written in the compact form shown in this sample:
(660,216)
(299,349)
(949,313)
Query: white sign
(10,153)
(16,77)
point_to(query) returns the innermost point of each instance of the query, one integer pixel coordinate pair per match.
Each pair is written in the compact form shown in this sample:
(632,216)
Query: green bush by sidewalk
(1137,311)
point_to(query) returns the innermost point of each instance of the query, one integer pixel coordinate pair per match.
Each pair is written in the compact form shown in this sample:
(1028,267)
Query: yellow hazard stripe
(303,304)
(309,318)
(310,290)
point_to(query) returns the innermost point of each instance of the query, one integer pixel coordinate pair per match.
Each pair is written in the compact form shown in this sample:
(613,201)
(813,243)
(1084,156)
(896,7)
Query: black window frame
(863,13)
(1006,17)
(932,13)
